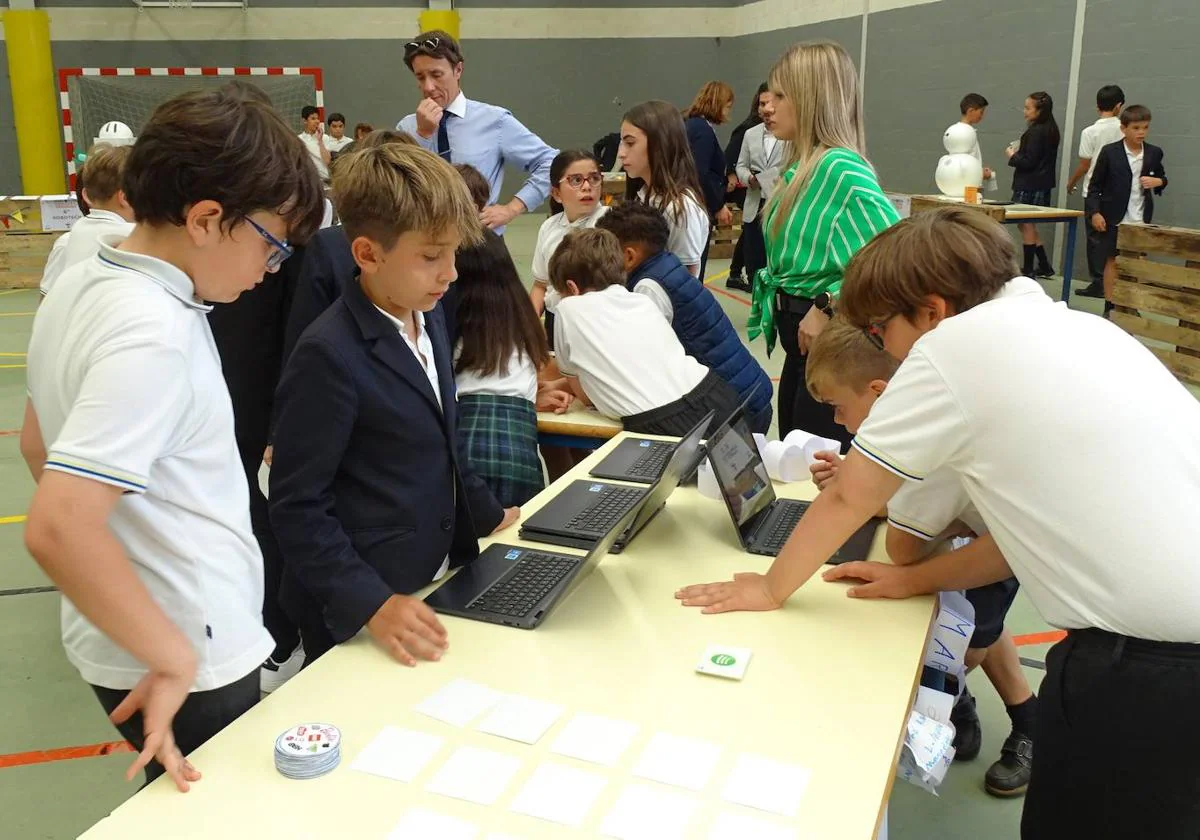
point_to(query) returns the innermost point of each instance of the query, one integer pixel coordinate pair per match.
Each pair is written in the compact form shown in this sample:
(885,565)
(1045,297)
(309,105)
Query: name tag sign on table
(947,651)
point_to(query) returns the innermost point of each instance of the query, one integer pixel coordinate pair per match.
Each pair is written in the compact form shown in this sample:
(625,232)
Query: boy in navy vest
(702,326)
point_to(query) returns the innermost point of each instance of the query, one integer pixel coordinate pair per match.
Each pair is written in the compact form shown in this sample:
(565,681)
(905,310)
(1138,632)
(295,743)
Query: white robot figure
(958,169)
(115,134)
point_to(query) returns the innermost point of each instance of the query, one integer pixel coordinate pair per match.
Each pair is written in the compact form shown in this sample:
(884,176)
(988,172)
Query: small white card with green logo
(722,661)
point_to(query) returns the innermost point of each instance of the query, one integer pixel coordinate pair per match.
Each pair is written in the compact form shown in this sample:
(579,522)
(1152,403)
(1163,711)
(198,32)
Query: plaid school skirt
(499,435)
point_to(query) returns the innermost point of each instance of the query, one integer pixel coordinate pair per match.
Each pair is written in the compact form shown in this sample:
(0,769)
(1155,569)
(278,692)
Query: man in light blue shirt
(462,130)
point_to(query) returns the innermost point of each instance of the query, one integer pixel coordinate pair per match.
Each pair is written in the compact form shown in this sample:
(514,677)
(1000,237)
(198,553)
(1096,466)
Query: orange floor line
(9,432)
(1048,637)
(730,295)
(63,754)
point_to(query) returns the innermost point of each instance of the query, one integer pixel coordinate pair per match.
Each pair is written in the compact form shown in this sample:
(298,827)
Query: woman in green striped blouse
(828,204)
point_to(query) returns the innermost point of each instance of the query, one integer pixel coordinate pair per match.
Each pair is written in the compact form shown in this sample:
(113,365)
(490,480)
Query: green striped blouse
(839,211)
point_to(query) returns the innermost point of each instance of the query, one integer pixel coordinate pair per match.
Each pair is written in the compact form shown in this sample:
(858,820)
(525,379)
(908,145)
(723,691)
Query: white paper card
(594,738)
(559,794)
(474,775)
(934,704)
(421,823)
(766,784)
(947,650)
(520,719)
(723,661)
(647,813)
(399,754)
(459,702)
(673,760)
(811,444)
(730,826)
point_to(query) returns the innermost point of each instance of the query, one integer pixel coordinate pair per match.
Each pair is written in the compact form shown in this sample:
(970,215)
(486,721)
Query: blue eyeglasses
(281,249)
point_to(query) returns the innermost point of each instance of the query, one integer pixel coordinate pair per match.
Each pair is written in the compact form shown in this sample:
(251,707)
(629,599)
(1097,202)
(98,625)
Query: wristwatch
(824,302)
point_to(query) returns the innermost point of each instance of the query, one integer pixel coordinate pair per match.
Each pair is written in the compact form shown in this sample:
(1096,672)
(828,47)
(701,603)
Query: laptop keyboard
(599,518)
(651,465)
(534,576)
(783,522)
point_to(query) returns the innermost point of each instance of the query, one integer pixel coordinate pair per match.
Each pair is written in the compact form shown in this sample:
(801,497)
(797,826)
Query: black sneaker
(1009,776)
(738,283)
(1092,290)
(968,731)
(1045,272)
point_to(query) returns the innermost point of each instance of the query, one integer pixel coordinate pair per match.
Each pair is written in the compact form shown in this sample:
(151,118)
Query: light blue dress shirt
(488,137)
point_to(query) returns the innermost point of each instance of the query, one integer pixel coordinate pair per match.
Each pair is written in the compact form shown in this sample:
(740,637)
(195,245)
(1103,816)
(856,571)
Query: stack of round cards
(308,750)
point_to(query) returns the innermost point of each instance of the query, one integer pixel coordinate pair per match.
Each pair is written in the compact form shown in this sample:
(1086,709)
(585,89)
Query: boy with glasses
(140,515)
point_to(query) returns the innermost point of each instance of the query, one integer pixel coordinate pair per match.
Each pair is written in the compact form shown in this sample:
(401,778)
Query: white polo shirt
(688,229)
(336,145)
(84,241)
(127,385)
(927,508)
(314,148)
(54,263)
(550,236)
(626,356)
(1095,137)
(1086,476)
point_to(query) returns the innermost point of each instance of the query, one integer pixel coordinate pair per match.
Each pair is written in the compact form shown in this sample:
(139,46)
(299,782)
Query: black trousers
(1095,257)
(1118,743)
(202,715)
(677,418)
(797,408)
(754,248)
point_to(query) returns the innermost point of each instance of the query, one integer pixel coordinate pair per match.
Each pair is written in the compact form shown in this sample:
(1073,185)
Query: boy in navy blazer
(1128,175)
(370,499)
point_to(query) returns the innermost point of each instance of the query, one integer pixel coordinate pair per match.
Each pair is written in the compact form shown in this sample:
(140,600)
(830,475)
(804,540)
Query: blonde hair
(820,81)
(711,102)
(958,254)
(104,171)
(591,257)
(385,192)
(842,355)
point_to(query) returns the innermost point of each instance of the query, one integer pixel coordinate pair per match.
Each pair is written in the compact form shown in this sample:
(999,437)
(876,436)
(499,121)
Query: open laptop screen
(740,471)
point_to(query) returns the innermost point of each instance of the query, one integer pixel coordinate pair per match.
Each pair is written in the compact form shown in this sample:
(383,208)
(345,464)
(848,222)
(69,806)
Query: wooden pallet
(723,238)
(23,258)
(1158,273)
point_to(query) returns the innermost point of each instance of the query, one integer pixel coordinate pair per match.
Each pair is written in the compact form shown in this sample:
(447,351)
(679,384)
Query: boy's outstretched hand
(158,696)
(555,400)
(409,630)
(881,580)
(747,591)
(511,515)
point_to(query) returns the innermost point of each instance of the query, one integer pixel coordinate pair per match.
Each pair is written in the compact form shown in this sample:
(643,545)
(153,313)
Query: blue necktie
(443,146)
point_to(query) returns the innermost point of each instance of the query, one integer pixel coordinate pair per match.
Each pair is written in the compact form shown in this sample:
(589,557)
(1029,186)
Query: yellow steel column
(446,20)
(35,101)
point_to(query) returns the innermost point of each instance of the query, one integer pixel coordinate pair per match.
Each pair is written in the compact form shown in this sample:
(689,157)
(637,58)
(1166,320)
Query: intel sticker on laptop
(513,555)
(596,488)
(722,661)
(645,444)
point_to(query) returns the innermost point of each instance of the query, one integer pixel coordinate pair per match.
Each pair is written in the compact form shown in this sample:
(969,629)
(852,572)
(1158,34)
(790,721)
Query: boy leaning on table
(988,388)
(847,371)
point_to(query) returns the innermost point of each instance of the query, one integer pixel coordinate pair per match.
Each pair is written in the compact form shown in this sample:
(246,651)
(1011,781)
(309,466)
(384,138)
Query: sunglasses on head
(430,44)
(874,332)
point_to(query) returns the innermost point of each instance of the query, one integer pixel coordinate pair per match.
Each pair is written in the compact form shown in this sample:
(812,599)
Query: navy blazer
(710,162)
(1112,183)
(369,492)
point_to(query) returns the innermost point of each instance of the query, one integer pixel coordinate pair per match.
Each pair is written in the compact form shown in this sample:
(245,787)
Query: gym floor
(62,767)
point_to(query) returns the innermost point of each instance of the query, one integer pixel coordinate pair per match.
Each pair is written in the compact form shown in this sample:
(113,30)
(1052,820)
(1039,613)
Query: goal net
(92,97)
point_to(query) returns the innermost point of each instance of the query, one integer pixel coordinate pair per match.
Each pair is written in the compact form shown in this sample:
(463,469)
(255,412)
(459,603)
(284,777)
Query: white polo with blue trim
(127,386)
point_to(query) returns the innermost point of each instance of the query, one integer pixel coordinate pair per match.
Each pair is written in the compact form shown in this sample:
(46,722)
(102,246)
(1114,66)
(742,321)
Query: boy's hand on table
(511,515)
(881,580)
(826,467)
(158,696)
(554,400)
(747,591)
(409,630)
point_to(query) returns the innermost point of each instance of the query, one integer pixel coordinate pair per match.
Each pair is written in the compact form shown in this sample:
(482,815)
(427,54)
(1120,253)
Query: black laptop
(582,513)
(517,586)
(762,521)
(642,461)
